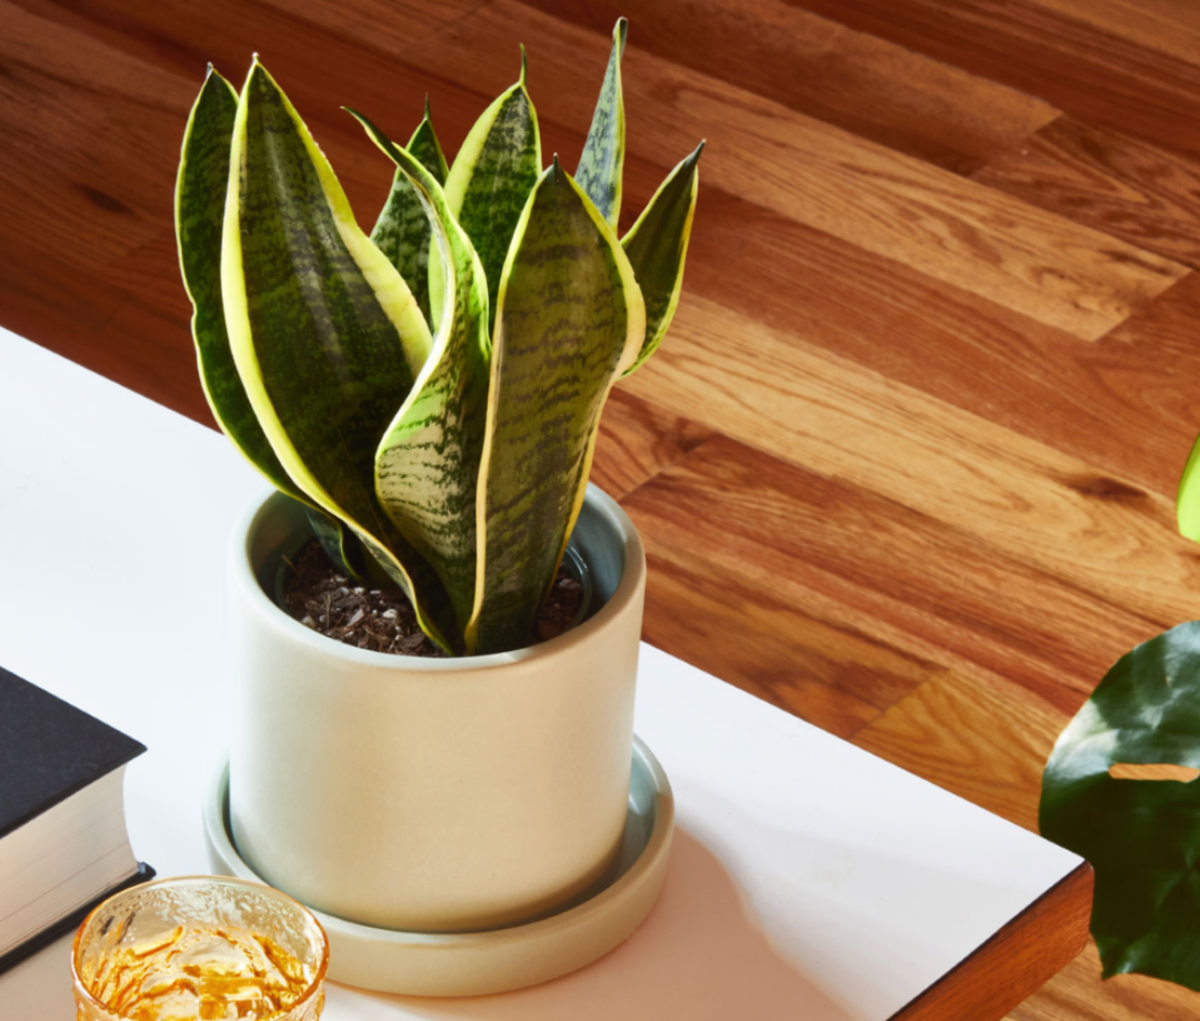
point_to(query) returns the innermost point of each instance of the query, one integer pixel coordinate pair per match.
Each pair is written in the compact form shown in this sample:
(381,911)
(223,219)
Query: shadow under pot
(433,795)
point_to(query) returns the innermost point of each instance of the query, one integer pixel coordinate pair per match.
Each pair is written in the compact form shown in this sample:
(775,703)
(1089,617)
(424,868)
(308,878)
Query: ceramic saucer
(474,963)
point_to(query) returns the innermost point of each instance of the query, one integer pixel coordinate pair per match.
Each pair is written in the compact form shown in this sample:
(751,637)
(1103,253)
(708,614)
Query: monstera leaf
(1142,836)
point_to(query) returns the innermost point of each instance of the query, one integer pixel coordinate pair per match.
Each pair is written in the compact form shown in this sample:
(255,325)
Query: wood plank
(765,543)
(1084,399)
(1024,954)
(1104,179)
(1096,74)
(933,221)
(783,650)
(869,87)
(1015,496)
(107,330)
(1166,26)
(953,230)
(1078,994)
(986,742)
(637,441)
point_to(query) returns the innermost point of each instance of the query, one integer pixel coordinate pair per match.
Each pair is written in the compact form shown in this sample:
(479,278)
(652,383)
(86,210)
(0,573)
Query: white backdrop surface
(809,879)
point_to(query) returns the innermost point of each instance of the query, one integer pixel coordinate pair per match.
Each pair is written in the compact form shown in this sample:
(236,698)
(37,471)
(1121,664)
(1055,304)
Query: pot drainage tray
(473,963)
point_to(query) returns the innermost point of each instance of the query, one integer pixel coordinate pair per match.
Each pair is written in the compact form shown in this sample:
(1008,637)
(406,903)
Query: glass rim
(313,987)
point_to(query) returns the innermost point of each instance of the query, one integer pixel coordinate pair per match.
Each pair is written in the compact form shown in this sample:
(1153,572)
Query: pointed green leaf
(1141,836)
(427,465)
(402,231)
(571,320)
(425,148)
(1187,499)
(657,247)
(199,210)
(603,160)
(491,178)
(326,337)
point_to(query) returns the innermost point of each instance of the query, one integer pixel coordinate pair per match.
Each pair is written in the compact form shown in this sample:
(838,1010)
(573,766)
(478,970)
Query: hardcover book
(64,846)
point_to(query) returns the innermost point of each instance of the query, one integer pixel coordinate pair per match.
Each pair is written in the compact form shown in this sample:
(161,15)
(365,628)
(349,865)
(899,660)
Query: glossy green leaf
(657,247)
(427,464)
(1141,836)
(200,191)
(603,161)
(491,178)
(1187,499)
(402,231)
(326,337)
(571,320)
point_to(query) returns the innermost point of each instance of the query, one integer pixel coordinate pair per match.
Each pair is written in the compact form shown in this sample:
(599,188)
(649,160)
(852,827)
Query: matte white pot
(432,795)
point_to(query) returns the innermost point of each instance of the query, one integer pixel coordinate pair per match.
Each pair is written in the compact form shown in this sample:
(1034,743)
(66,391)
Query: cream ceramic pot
(423,794)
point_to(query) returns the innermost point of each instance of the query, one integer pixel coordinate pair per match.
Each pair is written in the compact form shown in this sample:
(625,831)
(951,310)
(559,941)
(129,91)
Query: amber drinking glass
(201,947)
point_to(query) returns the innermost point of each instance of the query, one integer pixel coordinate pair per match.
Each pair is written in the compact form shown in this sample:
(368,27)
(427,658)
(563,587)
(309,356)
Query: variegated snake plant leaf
(200,192)
(570,320)
(602,165)
(492,176)
(403,230)
(431,393)
(427,463)
(326,337)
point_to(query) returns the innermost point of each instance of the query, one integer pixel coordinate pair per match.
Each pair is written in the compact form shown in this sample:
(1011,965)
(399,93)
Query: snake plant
(431,391)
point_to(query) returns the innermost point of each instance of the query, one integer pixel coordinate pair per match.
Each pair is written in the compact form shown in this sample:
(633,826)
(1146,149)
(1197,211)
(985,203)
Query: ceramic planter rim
(271,615)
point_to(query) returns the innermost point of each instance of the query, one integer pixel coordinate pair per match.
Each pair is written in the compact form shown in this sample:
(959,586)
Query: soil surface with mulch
(322,598)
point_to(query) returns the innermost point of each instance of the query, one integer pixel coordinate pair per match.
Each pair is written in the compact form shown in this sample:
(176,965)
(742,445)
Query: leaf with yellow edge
(602,164)
(403,229)
(657,247)
(326,336)
(491,178)
(570,321)
(427,465)
(200,191)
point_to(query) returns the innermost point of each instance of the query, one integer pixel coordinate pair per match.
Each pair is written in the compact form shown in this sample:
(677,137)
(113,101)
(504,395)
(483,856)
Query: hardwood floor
(905,466)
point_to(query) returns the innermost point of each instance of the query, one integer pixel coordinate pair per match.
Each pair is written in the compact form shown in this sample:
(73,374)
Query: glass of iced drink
(202,947)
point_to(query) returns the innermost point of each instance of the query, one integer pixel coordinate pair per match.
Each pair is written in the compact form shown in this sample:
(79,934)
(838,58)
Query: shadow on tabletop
(699,955)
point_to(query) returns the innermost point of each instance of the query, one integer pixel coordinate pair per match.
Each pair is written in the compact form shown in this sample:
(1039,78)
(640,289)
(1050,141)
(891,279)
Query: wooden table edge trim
(1022,956)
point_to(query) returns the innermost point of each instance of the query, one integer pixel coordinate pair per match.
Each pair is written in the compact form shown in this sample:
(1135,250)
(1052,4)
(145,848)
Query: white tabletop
(809,879)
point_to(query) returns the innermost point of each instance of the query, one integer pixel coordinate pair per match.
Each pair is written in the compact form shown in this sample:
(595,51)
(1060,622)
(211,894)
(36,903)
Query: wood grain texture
(1127,188)
(872,88)
(1059,918)
(1017,496)
(905,464)
(1085,65)
(792,544)
(886,203)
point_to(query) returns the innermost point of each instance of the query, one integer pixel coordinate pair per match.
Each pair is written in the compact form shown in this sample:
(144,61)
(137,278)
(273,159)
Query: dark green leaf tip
(694,158)
(428,111)
(524,66)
